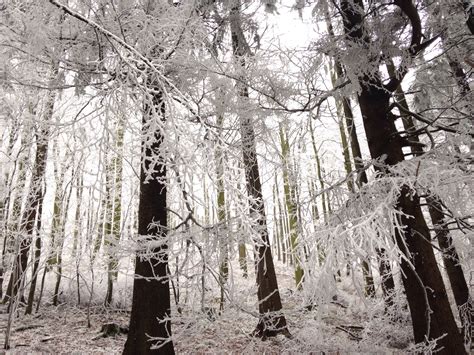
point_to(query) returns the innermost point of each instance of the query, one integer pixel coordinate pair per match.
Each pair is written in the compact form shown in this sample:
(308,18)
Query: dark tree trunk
(435,208)
(271,321)
(426,294)
(427,299)
(453,267)
(34,274)
(151,294)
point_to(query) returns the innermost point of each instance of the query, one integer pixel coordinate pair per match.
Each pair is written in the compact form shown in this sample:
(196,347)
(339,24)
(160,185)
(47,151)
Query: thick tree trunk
(149,321)
(450,256)
(427,299)
(426,294)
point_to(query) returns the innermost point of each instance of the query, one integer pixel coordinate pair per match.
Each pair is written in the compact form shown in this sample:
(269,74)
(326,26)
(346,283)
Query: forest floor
(343,325)
(64,329)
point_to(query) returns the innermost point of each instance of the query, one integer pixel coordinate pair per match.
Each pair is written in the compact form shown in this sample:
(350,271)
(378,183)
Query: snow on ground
(343,325)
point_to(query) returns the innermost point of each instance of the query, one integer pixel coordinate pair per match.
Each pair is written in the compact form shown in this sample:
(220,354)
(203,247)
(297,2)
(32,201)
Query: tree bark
(114,237)
(149,321)
(37,256)
(450,256)
(429,306)
(221,216)
(291,207)
(271,321)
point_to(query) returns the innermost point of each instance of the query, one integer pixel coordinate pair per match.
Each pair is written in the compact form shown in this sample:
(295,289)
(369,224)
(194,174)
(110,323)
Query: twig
(351,334)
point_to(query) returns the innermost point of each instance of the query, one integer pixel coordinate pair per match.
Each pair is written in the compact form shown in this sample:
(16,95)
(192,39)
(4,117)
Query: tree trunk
(450,256)
(114,238)
(276,223)
(429,306)
(35,195)
(12,225)
(77,243)
(272,321)
(37,256)
(453,267)
(221,217)
(291,207)
(149,321)
(344,110)
(281,231)
(5,202)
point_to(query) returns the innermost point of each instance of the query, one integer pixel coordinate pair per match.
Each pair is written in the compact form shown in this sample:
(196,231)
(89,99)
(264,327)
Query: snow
(64,328)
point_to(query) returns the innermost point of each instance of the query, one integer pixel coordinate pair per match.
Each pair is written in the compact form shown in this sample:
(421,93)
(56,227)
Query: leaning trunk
(450,256)
(429,306)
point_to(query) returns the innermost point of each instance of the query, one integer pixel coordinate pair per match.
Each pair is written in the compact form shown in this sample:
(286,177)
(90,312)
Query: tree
(113,238)
(291,205)
(35,193)
(149,320)
(272,321)
(429,307)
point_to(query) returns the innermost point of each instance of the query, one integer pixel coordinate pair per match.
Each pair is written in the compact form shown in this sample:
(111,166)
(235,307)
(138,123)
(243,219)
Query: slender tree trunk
(35,194)
(272,321)
(281,219)
(243,259)
(324,197)
(151,292)
(429,306)
(108,226)
(276,223)
(242,254)
(291,207)
(59,250)
(319,171)
(57,219)
(114,237)
(5,202)
(77,243)
(221,216)
(37,256)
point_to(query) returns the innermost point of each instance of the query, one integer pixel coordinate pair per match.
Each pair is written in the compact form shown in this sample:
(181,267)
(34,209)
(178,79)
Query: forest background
(320,145)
